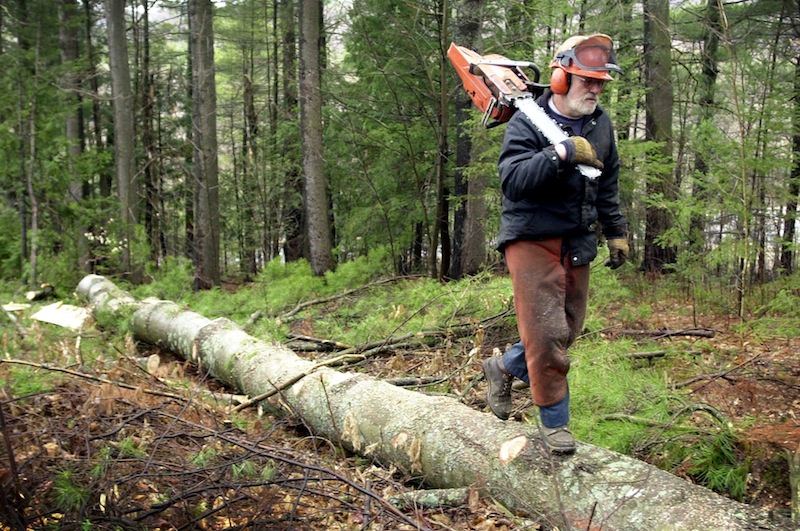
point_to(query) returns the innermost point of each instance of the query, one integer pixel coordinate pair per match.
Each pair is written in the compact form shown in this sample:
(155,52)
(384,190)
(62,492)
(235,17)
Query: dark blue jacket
(544,197)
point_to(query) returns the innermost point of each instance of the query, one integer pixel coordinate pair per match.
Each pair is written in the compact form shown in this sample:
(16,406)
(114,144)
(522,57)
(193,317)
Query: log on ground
(439,440)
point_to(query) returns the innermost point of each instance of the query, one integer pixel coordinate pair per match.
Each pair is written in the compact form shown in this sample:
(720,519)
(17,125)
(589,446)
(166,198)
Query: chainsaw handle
(476,70)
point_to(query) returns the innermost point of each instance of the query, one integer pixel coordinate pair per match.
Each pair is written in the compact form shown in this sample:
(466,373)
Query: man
(547,232)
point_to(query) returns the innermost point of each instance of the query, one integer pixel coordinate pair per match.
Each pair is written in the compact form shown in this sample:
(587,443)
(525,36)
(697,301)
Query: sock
(556,415)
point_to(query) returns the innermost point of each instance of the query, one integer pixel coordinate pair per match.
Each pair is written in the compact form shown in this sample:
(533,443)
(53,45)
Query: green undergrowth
(630,406)
(358,303)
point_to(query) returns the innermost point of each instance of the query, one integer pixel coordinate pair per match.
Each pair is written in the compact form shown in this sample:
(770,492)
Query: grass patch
(68,493)
(629,407)
(24,381)
(610,393)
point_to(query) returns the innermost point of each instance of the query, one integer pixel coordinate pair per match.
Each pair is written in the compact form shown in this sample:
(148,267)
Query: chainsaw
(498,87)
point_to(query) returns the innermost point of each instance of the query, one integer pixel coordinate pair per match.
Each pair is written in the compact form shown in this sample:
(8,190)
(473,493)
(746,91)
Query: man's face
(581,100)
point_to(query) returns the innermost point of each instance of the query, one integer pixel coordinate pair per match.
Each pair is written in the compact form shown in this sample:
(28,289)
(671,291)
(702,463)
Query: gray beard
(583,107)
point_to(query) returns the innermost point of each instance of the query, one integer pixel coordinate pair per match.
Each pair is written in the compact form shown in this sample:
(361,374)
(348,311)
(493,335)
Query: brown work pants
(550,298)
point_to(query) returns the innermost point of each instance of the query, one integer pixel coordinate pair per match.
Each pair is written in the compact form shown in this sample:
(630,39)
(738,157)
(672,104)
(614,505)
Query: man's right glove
(617,252)
(580,151)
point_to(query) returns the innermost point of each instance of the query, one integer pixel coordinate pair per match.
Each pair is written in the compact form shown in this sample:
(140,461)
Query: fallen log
(440,441)
(794,482)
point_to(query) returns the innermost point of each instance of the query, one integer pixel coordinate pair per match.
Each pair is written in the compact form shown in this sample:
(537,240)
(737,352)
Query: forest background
(236,133)
(304,149)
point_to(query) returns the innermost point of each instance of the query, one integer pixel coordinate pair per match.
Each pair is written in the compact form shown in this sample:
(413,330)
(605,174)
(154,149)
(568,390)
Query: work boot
(559,440)
(499,394)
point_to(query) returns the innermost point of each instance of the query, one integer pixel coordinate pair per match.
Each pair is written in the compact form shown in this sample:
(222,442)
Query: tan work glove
(580,151)
(617,252)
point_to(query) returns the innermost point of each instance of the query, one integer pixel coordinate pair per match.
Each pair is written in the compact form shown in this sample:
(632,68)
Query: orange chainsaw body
(492,82)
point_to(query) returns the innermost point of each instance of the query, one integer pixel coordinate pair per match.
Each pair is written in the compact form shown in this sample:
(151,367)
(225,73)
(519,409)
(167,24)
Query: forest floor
(144,441)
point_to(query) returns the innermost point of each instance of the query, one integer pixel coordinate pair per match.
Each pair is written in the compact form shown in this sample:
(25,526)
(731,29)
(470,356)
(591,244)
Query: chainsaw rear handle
(475,68)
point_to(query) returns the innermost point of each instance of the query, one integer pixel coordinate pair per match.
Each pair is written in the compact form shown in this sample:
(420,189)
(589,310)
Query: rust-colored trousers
(550,298)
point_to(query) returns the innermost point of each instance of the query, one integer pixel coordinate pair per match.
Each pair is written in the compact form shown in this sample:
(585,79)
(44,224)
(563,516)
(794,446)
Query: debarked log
(438,439)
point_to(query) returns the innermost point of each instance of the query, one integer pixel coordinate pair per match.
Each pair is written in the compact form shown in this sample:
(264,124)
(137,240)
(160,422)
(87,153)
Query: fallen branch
(653,354)
(326,344)
(715,376)
(93,378)
(416,381)
(430,499)
(258,314)
(633,419)
(657,334)
(296,378)
(20,330)
(376,347)
(685,410)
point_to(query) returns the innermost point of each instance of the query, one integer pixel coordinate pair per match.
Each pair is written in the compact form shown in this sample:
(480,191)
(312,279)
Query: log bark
(437,439)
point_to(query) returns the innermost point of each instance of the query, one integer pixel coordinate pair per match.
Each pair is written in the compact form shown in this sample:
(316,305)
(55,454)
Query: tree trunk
(440,230)
(24,107)
(30,174)
(470,205)
(106,177)
(316,185)
(250,167)
(708,83)
(293,218)
(790,220)
(436,438)
(473,255)
(188,198)
(68,33)
(152,174)
(122,102)
(658,101)
(206,191)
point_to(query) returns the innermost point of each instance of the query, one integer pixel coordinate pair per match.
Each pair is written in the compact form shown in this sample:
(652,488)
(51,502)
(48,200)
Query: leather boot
(559,440)
(499,394)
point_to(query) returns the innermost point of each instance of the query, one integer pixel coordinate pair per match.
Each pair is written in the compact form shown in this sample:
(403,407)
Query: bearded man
(548,233)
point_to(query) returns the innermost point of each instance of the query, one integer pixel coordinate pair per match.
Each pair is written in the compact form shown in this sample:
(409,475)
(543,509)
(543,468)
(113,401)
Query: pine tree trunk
(316,185)
(293,215)
(658,101)
(790,220)
(127,179)
(438,439)
(206,192)
(73,126)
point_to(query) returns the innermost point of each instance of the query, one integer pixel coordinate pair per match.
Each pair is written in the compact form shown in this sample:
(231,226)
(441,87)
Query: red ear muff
(559,81)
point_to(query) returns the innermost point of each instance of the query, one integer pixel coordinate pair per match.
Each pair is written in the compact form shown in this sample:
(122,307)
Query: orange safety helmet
(587,56)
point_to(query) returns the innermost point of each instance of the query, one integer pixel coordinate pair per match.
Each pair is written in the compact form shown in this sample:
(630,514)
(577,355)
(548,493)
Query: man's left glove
(617,252)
